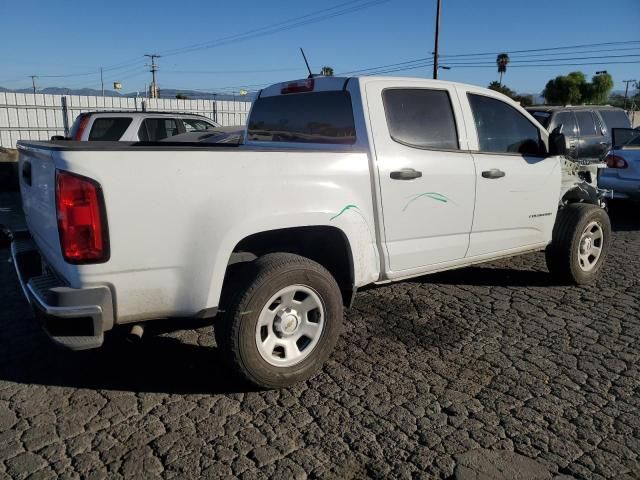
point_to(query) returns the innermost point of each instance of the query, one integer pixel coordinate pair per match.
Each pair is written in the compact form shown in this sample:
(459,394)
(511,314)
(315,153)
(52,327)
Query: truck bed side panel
(175,217)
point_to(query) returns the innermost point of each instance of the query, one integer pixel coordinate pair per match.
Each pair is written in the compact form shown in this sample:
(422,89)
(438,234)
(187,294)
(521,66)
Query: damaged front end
(580,184)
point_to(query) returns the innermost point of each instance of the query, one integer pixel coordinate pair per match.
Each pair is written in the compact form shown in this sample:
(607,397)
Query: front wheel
(280,320)
(580,243)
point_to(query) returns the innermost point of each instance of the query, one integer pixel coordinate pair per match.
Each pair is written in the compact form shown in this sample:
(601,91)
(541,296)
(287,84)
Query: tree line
(570,89)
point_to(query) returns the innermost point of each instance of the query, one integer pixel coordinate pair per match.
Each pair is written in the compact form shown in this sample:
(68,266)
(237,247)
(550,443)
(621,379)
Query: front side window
(314,117)
(155,129)
(109,129)
(585,123)
(501,128)
(421,118)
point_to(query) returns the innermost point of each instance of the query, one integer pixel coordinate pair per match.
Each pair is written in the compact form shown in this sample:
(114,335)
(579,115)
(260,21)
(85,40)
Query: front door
(427,180)
(517,187)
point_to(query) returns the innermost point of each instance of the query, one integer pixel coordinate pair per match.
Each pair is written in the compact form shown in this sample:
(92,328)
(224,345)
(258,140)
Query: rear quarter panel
(175,217)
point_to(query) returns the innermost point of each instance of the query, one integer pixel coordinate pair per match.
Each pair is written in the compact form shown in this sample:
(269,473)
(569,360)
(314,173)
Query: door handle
(493,173)
(406,174)
(26,173)
(603,143)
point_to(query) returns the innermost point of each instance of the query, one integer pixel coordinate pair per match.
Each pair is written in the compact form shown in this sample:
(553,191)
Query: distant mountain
(164,93)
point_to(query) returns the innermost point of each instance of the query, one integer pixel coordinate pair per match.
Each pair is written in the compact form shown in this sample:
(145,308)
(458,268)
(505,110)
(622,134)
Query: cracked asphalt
(491,358)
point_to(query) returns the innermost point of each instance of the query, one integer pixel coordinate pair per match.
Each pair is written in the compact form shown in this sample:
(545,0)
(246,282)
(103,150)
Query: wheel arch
(327,245)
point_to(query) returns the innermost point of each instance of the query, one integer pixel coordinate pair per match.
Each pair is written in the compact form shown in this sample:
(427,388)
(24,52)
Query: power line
(587,45)
(289,24)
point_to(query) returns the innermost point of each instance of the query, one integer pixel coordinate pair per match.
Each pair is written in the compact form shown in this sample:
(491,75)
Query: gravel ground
(429,376)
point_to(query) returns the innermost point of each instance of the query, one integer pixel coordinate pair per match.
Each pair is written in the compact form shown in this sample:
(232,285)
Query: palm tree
(502,61)
(327,71)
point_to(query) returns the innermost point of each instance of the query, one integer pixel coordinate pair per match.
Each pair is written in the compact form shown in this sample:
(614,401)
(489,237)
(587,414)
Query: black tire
(562,254)
(246,293)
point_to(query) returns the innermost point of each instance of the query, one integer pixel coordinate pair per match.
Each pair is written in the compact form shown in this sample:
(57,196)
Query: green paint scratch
(348,207)
(432,195)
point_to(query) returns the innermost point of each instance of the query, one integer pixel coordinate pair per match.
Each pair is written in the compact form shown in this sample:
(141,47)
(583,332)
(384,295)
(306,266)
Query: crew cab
(340,183)
(128,126)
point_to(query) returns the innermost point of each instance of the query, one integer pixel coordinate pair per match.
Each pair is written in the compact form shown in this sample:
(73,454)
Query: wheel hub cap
(286,322)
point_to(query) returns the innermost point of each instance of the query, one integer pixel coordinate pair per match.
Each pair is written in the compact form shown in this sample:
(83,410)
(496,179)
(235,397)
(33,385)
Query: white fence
(28,116)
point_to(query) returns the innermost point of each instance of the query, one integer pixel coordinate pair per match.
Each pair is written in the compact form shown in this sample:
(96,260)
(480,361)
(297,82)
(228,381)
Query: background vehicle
(587,128)
(341,183)
(136,126)
(623,161)
(231,134)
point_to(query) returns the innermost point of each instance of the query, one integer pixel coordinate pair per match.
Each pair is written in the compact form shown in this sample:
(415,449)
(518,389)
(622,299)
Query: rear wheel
(281,317)
(580,244)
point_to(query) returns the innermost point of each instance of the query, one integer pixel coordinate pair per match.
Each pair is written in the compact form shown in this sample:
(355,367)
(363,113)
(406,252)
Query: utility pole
(153,68)
(626,91)
(435,50)
(101,81)
(33,82)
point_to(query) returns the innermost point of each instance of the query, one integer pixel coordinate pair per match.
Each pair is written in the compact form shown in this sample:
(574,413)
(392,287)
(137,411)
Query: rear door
(426,174)
(517,187)
(592,143)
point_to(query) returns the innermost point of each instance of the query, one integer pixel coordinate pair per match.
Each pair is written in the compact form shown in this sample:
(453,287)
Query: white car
(129,126)
(341,183)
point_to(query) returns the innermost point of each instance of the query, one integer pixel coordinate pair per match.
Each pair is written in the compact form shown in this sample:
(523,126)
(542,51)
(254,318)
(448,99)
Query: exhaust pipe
(135,334)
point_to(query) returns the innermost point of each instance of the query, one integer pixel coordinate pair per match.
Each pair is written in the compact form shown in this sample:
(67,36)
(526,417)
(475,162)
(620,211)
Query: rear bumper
(75,318)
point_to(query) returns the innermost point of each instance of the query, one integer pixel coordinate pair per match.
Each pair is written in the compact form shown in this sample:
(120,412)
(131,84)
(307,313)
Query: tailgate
(37,175)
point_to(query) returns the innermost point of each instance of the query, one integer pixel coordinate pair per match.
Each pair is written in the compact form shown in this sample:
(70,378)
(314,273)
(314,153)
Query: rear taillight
(81,126)
(614,161)
(81,219)
(299,87)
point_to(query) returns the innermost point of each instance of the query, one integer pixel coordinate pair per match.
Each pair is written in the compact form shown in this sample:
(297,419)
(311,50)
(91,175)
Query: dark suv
(587,128)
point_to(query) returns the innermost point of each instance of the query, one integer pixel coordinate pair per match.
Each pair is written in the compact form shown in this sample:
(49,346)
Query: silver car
(622,174)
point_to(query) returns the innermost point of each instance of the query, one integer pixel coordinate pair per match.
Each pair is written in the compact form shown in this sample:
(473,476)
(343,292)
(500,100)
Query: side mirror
(557,143)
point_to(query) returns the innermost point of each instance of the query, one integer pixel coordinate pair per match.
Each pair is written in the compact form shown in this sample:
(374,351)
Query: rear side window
(192,125)
(568,122)
(503,129)
(109,129)
(154,129)
(586,123)
(615,119)
(316,117)
(421,118)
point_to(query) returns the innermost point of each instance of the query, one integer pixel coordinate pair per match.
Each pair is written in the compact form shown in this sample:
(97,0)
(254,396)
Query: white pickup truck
(340,183)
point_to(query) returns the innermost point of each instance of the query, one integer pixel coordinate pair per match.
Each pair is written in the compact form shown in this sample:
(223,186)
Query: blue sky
(68,37)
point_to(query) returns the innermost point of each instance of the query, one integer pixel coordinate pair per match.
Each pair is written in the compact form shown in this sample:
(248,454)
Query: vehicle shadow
(490,277)
(625,216)
(157,363)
